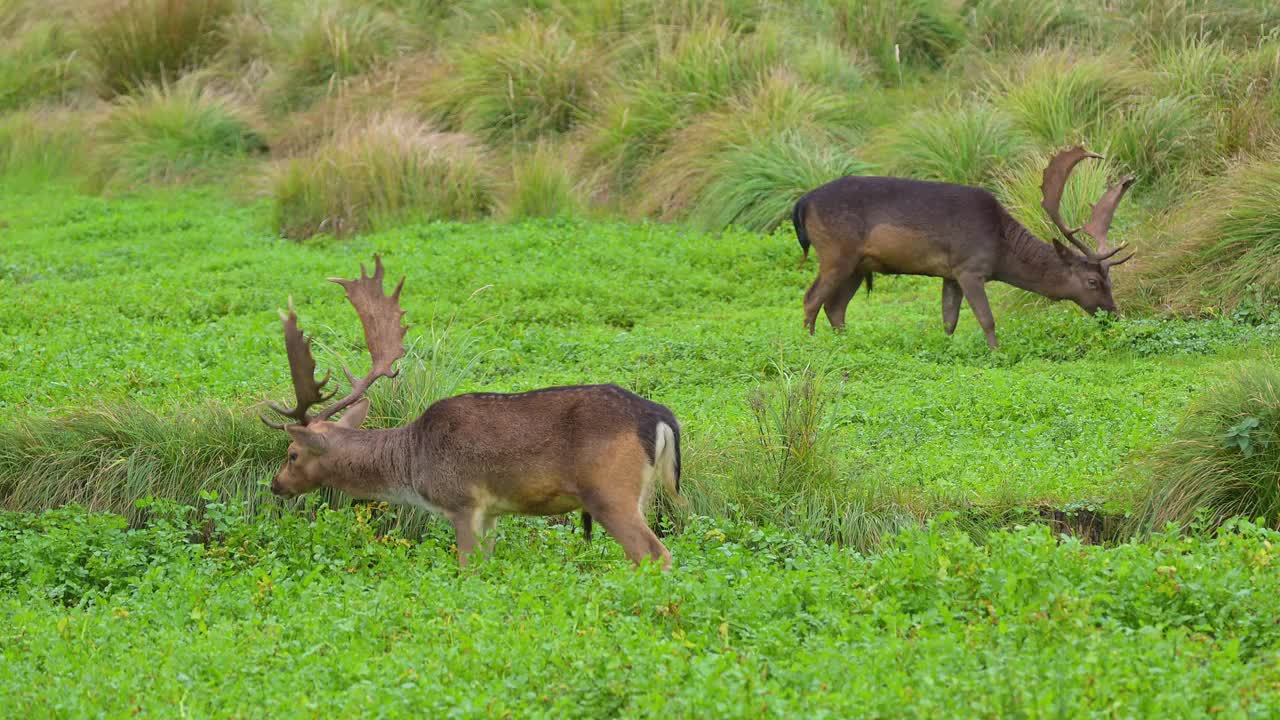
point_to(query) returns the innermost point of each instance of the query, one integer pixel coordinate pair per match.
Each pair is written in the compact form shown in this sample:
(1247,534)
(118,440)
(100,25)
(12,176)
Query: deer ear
(307,438)
(355,415)
(1064,252)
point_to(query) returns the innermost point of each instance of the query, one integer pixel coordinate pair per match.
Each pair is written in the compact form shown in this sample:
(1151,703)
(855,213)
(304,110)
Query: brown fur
(864,225)
(474,458)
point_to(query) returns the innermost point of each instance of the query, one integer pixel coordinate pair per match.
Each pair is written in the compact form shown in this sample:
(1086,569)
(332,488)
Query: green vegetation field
(886,522)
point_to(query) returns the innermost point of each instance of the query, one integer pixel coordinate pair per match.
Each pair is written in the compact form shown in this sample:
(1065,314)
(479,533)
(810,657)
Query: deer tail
(666,458)
(797,220)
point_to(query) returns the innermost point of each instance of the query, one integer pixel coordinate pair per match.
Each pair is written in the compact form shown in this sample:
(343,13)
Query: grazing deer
(473,458)
(962,234)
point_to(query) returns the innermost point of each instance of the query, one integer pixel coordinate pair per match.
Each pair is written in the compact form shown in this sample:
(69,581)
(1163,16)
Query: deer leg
(466,526)
(839,300)
(488,523)
(631,531)
(951,296)
(972,285)
(829,278)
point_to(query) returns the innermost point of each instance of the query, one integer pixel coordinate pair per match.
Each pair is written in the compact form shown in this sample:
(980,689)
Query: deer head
(1089,271)
(316,446)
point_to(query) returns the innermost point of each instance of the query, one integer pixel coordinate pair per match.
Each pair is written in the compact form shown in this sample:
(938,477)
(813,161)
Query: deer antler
(303,369)
(383,332)
(1100,222)
(1052,187)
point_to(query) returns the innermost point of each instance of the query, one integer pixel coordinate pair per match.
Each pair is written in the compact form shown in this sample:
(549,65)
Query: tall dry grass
(386,169)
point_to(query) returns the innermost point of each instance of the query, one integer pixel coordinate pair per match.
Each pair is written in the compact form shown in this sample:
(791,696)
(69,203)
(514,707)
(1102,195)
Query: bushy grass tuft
(1224,458)
(137,43)
(1223,249)
(894,33)
(331,41)
(757,184)
(689,71)
(1159,139)
(170,134)
(372,174)
(1060,98)
(968,145)
(1023,25)
(38,145)
(542,185)
(39,64)
(531,80)
(1155,24)
(709,147)
(781,470)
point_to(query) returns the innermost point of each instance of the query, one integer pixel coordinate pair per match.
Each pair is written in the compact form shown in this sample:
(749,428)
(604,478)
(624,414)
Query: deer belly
(534,496)
(898,250)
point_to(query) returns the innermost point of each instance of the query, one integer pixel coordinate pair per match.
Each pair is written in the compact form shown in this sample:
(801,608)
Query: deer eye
(1093,283)
(293,456)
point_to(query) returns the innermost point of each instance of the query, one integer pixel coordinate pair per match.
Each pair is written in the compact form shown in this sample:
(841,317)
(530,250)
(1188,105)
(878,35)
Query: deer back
(903,226)
(538,452)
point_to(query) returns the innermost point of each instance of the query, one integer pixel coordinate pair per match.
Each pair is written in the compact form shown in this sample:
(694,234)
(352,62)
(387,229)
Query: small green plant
(137,43)
(1224,458)
(172,133)
(375,173)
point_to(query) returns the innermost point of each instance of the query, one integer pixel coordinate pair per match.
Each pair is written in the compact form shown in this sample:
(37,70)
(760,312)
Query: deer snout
(276,487)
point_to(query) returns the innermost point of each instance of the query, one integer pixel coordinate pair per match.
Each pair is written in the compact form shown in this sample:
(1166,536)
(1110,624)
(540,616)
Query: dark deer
(473,458)
(962,234)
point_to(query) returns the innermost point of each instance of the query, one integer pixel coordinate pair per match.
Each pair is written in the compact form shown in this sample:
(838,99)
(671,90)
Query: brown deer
(896,226)
(473,458)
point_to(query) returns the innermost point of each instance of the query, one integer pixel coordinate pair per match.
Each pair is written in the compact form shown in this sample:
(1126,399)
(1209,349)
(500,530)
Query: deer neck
(1029,263)
(372,464)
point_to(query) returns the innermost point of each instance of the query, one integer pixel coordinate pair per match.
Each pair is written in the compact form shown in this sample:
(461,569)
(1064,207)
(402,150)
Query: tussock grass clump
(893,33)
(1224,459)
(966,145)
(170,134)
(1023,25)
(757,184)
(1223,249)
(332,41)
(531,80)
(1164,23)
(721,141)
(40,145)
(1159,139)
(542,185)
(689,71)
(782,471)
(1060,98)
(39,64)
(372,174)
(1237,95)
(137,43)
(109,458)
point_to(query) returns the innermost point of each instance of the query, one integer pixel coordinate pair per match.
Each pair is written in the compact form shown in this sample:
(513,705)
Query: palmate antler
(1052,186)
(383,333)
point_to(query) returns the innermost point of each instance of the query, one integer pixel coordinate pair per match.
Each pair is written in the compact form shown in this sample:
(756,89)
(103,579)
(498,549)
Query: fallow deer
(475,457)
(861,225)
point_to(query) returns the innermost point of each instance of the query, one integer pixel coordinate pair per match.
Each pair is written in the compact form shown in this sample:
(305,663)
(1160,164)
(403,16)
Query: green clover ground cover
(288,617)
(170,299)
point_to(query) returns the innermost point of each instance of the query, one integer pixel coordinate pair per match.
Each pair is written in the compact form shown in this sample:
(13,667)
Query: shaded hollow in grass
(143,42)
